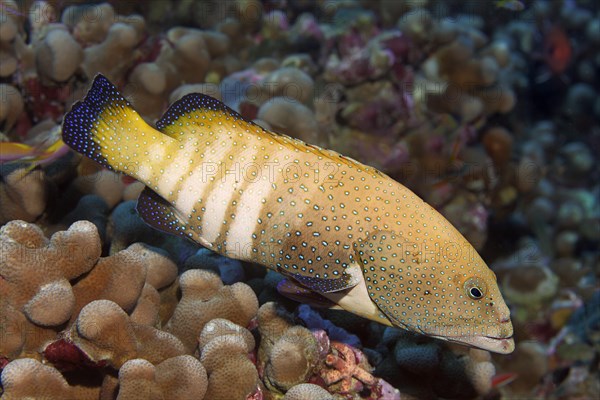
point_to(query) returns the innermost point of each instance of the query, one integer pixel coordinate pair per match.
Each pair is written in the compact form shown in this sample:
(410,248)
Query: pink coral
(346,369)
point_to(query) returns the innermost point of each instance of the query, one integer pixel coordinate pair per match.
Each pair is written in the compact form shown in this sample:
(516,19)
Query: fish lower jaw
(501,345)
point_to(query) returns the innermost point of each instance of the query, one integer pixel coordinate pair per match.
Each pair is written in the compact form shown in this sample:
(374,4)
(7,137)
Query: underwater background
(488,110)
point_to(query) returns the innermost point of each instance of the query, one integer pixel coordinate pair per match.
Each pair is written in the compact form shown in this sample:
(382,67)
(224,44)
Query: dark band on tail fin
(80,124)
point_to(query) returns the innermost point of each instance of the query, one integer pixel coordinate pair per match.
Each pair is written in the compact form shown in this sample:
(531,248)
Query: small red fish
(503,379)
(557,50)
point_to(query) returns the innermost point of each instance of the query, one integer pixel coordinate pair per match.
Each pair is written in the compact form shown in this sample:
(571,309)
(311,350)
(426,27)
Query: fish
(39,154)
(503,379)
(331,225)
(557,50)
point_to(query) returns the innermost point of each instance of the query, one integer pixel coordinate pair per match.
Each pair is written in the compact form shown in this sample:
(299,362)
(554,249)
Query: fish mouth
(501,345)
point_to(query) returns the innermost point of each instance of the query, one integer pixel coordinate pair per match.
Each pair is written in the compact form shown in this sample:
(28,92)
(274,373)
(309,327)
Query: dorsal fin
(196,109)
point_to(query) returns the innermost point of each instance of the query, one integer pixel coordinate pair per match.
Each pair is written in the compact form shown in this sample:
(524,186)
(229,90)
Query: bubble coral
(529,362)
(221,327)
(178,378)
(146,89)
(9,30)
(480,369)
(106,184)
(203,297)
(498,144)
(209,89)
(185,57)
(273,321)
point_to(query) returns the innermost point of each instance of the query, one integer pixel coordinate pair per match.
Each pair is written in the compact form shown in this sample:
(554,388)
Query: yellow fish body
(334,226)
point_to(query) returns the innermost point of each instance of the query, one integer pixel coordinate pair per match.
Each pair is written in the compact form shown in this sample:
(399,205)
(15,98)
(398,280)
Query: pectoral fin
(161,215)
(294,291)
(324,285)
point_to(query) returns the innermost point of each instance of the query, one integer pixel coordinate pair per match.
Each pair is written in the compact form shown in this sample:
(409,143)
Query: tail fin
(103,126)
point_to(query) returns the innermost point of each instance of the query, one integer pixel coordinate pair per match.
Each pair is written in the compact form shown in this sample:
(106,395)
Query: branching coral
(347,369)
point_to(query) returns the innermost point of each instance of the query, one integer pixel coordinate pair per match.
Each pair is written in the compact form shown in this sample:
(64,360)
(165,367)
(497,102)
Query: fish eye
(475,288)
(475,293)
